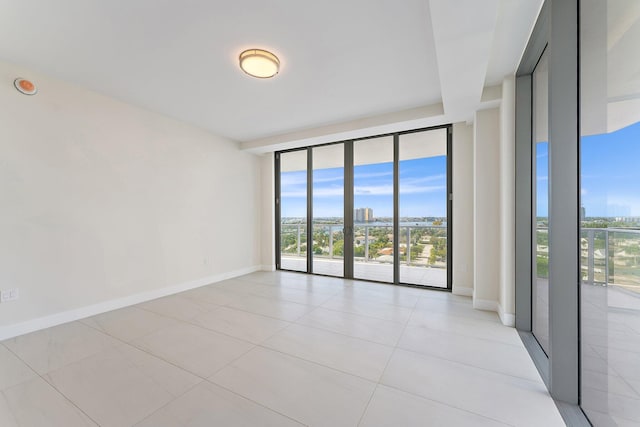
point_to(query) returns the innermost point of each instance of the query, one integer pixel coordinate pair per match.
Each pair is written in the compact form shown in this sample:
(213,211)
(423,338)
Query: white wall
(507,302)
(104,204)
(486,225)
(267,232)
(462,159)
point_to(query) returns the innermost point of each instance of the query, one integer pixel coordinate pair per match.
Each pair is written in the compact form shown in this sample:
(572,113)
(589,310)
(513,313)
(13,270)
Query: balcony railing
(611,256)
(372,243)
(608,256)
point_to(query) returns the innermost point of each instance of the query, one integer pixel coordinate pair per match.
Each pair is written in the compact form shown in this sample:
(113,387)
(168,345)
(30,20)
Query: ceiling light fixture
(25,86)
(259,63)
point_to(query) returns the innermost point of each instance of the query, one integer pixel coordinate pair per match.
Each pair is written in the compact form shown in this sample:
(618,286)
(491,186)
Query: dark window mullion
(348,210)
(396,209)
(309,210)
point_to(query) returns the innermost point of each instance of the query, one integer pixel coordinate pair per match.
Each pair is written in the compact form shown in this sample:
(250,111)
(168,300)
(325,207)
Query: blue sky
(422,189)
(610,173)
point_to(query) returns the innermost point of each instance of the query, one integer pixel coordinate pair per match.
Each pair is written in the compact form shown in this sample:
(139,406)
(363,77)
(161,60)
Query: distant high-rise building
(363,215)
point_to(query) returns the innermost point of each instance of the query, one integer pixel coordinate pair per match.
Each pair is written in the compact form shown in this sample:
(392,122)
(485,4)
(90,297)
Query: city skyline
(422,190)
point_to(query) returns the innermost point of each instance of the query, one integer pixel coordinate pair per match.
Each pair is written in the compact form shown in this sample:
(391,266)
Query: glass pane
(540,265)
(423,208)
(293,210)
(328,210)
(373,209)
(610,211)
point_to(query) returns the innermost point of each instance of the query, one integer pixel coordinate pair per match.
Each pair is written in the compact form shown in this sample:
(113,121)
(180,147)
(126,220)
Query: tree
(338,248)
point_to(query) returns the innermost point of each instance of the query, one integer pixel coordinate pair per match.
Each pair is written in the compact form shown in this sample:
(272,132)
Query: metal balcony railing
(608,256)
(611,256)
(293,241)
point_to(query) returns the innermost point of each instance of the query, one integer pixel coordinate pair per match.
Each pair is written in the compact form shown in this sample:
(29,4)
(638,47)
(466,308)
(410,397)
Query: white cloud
(363,175)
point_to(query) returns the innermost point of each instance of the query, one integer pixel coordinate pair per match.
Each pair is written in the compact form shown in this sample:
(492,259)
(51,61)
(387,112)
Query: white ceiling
(341,60)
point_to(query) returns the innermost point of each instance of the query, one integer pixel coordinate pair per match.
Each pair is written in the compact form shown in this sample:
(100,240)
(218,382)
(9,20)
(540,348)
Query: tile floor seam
(463,317)
(188,370)
(360,314)
(135,306)
(315,363)
(42,377)
(332,332)
(272,317)
(238,338)
(248,293)
(288,300)
(466,364)
(160,314)
(74,361)
(366,407)
(396,348)
(439,331)
(255,402)
(170,401)
(442,402)
(469,335)
(342,333)
(540,382)
(372,301)
(384,369)
(13,416)
(232,361)
(188,323)
(157,356)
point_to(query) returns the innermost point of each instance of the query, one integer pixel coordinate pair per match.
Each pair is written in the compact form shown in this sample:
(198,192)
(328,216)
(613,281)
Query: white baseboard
(267,267)
(39,323)
(462,290)
(487,305)
(508,319)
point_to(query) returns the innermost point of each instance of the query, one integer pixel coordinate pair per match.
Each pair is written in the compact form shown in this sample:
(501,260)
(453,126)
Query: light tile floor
(277,349)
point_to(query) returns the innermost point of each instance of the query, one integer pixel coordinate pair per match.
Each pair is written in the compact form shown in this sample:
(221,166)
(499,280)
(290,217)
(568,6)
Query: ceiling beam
(463,32)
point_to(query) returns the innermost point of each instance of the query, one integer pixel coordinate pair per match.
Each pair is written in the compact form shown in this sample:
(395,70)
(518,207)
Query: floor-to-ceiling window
(593,195)
(610,211)
(373,209)
(328,210)
(292,204)
(423,208)
(540,187)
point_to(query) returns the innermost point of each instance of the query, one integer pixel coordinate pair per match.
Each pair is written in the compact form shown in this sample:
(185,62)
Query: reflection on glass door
(328,210)
(293,210)
(540,263)
(373,209)
(423,208)
(610,212)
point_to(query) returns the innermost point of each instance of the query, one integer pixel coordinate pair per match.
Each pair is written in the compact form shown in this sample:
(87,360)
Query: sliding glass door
(609,239)
(540,187)
(328,210)
(293,210)
(374,209)
(423,235)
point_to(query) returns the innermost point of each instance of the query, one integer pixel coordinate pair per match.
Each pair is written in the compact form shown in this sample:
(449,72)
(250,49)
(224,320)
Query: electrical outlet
(9,295)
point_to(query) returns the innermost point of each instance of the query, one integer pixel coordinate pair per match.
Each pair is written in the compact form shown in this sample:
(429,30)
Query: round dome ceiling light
(259,63)
(25,86)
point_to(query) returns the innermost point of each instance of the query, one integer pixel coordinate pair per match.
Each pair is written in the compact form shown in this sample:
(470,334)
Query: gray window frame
(557,31)
(348,205)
